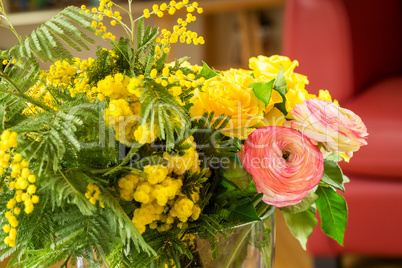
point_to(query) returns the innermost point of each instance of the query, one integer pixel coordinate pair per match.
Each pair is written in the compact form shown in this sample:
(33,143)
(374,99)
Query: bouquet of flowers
(122,158)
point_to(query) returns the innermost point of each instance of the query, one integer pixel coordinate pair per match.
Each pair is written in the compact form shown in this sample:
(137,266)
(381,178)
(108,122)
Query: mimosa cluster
(163,204)
(177,81)
(93,195)
(180,32)
(124,107)
(104,9)
(15,171)
(39,92)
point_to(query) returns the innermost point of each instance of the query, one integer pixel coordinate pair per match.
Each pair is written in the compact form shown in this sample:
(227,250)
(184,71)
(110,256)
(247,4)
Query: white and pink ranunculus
(284,164)
(339,130)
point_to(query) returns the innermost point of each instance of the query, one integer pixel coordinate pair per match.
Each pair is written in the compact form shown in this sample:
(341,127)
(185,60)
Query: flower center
(286,155)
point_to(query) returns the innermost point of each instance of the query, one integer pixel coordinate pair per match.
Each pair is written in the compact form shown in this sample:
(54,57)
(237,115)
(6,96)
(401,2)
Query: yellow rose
(294,96)
(274,117)
(230,95)
(266,68)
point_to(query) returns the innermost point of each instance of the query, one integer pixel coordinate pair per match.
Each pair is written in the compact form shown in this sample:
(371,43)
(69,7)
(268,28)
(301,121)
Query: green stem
(239,243)
(64,264)
(11,27)
(262,208)
(132,22)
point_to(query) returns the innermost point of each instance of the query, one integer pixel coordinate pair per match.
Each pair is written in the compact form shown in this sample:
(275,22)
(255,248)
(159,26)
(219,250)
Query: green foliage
(263,91)
(107,63)
(193,182)
(44,43)
(280,85)
(230,204)
(207,72)
(211,143)
(333,176)
(123,226)
(161,111)
(236,174)
(244,213)
(75,233)
(69,186)
(145,51)
(304,205)
(301,224)
(168,245)
(333,213)
(51,135)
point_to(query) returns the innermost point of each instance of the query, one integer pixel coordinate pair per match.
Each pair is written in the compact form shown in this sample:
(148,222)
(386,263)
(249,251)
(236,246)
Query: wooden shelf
(209,6)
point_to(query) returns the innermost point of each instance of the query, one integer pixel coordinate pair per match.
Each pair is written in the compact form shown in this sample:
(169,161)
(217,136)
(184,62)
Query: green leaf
(301,225)
(207,72)
(127,230)
(280,85)
(334,157)
(333,175)
(71,185)
(304,205)
(2,116)
(140,32)
(244,213)
(236,174)
(333,213)
(263,91)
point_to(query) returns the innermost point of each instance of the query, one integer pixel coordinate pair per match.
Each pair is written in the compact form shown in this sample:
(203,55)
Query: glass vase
(249,245)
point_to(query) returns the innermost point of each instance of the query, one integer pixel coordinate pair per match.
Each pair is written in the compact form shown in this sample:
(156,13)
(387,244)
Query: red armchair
(354,49)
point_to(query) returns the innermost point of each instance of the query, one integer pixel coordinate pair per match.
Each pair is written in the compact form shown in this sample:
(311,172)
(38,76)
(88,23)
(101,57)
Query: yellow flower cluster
(70,76)
(171,8)
(187,162)
(104,9)
(115,87)
(93,195)
(176,82)
(143,134)
(101,30)
(61,73)
(39,92)
(80,84)
(20,180)
(124,107)
(180,32)
(162,201)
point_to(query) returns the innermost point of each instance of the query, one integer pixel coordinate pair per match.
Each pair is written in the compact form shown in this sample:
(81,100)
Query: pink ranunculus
(339,130)
(284,164)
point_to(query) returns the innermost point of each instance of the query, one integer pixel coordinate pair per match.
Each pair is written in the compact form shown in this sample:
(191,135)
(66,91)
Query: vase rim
(269,212)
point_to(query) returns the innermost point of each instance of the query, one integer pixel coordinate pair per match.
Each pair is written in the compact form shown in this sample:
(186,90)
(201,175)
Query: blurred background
(352,48)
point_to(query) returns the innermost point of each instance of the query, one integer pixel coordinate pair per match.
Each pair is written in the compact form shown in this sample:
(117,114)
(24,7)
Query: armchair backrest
(344,45)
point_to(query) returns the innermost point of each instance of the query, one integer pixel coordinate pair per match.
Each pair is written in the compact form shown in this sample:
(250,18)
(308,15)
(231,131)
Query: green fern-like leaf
(160,109)
(43,44)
